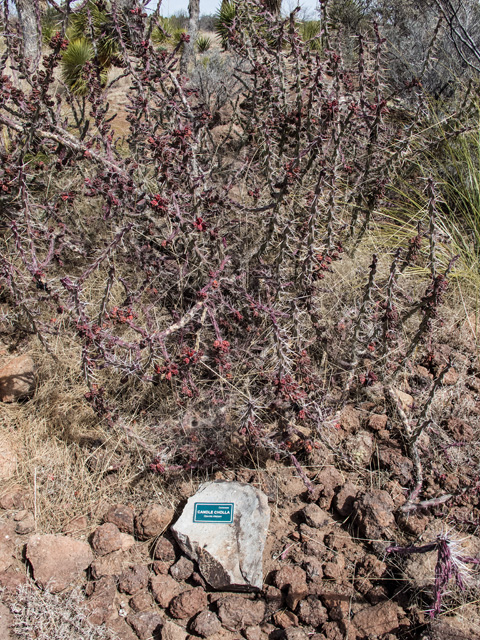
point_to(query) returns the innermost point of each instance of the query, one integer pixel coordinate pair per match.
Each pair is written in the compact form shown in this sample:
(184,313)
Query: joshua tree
(29,19)
(193,18)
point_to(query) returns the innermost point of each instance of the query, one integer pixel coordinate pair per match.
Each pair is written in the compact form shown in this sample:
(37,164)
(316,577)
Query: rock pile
(139,583)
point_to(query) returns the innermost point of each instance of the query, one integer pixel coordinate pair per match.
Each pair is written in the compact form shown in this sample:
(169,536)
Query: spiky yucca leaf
(224,20)
(51,23)
(162,32)
(77,54)
(310,32)
(167,32)
(454,167)
(203,44)
(99,21)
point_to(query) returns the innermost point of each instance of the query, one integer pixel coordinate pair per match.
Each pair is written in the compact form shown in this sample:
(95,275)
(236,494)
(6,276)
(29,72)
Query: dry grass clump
(71,461)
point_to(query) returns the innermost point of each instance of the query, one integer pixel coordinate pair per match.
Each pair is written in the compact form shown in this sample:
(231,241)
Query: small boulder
(294,580)
(160,567)
(404,400)
(147,624)
(164,551)
(121,629)
(350,419)
(335,569)
(236,612)
(26,524)
(57,561)
(285,619)
(13,498)
(122,516)
(258,633)
(378,422)
(110,565)
(373,514)
(182,570)
(79,523)
(328,481)
(315,516)
(344,499)
(188,603)
(164,589)
(273,598)
(141,601)
(172,631)
(103,600)
(17,379)
(312,612)
(451,377)
(359,448)
(106,538)
(133,579)
(312,540)
(313,568)
(376,621)
(392,460)
(206,624)
(152,521)
(295,633)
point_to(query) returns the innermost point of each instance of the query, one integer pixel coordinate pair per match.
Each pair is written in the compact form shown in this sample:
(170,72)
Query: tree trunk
(29,18)
(189,47)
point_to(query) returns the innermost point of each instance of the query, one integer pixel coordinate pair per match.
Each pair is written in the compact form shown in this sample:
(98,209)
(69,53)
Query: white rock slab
(223,527)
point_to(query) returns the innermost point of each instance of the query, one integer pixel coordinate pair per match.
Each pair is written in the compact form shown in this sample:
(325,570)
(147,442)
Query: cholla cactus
(450,564)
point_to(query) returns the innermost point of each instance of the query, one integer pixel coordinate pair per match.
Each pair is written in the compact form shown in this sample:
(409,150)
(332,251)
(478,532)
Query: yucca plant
(167,32)
(77,54)
(224,19)
(203,44)
(51,23)
(310,32)
(348,14)
(93,23)
(454,168)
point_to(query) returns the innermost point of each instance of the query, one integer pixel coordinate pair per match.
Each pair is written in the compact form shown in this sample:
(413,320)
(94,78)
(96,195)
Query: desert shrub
(47,616)
(179,20)
(214,79)
(420,45)
(207,23)
(350,15)
(196,277)
(453,164)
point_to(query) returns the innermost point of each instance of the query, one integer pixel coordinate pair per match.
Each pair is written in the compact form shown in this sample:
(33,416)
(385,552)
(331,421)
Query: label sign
(213,512)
